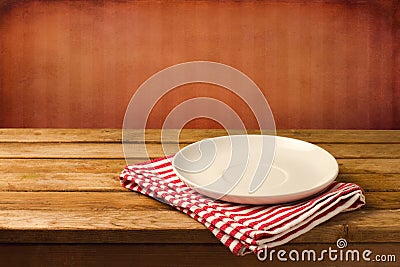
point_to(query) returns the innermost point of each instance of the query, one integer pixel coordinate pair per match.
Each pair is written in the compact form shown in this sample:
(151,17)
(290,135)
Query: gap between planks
(191,135)
(101,201)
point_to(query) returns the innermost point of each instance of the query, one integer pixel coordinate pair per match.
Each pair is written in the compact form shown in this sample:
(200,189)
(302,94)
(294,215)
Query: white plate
(299,169)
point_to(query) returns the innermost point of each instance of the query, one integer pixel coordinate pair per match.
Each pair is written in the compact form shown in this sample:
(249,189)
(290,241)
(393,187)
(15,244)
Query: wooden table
(61,201)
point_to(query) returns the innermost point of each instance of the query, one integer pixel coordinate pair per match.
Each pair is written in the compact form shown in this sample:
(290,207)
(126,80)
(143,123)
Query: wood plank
(382,200)
(94,201)
(313,136)
(71,182)
(114,151)
(190,135)
(63,165)
(109,182)
(119,255)
(369,165)
(60,135)
(339,151)
(344,136)
(361,166)
(373,182)
(132,226)
(84,201)
(79,150)
(386,151)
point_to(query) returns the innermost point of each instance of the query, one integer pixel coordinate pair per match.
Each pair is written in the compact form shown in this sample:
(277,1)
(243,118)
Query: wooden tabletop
(61,201)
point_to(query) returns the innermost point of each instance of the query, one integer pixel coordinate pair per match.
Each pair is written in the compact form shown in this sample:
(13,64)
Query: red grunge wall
(320,64)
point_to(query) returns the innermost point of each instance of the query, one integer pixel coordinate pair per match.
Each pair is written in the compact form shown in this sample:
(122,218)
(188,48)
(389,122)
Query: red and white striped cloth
(242,228)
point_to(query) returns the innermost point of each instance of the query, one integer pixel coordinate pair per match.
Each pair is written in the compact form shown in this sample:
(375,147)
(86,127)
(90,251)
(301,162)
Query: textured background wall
(320,64)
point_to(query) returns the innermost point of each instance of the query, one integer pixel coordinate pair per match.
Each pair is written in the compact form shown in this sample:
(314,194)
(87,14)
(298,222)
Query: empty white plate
(236,168)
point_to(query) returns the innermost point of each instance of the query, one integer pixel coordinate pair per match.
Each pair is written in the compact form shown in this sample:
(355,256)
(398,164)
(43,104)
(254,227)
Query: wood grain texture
(144,226)
(60,196)
(109,182)
(119,255)
(69,182)
(365,166)
(115,151)
(369,165)
(186,136)
(103,201)
(65,165)
(320,64)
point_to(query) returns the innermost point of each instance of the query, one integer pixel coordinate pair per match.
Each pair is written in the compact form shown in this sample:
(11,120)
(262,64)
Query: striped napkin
(242,228)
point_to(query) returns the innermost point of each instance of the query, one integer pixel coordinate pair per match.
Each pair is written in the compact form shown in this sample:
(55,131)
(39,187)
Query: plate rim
(318,188)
